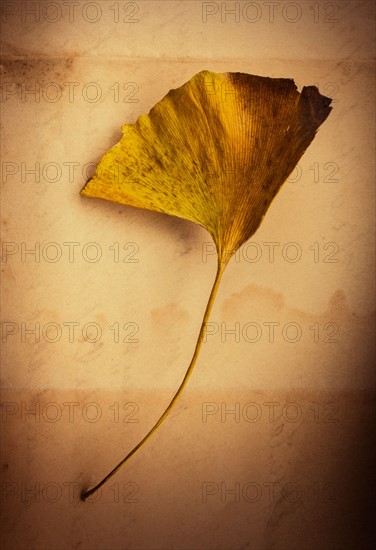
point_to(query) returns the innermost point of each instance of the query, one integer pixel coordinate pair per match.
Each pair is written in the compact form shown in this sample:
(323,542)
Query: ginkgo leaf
(214,151)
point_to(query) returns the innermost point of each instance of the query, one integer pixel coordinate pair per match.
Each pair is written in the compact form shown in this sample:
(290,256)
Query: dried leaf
(214,151)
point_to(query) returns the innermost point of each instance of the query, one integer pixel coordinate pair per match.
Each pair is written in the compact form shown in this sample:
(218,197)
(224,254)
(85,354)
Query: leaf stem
(213,293)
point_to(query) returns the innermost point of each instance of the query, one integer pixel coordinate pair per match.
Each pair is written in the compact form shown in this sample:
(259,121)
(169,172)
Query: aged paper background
(269,447)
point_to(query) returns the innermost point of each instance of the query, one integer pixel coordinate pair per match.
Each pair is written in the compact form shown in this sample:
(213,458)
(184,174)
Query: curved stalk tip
(220,269)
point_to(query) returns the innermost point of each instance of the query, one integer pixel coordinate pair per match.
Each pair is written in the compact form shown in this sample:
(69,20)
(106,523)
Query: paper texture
(269,446)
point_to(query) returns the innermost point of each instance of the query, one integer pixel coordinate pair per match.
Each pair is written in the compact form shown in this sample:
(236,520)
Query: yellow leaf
(214,151)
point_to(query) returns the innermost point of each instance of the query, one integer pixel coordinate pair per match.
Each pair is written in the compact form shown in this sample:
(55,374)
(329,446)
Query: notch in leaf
(214,151)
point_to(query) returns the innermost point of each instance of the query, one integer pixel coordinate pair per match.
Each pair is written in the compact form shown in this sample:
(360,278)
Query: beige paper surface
(269,447)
